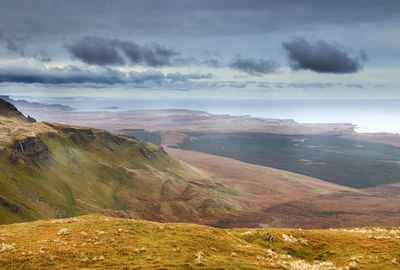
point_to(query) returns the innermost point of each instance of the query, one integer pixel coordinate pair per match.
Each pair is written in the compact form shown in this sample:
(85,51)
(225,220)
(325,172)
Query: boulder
(268,237)
(31,146)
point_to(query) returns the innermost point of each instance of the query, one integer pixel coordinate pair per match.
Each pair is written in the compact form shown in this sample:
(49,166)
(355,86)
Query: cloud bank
(100,75)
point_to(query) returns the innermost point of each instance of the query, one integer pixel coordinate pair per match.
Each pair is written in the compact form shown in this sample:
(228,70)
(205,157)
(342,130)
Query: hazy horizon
(369,115)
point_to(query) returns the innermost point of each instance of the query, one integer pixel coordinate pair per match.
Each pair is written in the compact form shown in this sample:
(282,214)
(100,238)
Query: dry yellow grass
(14,128)
(100,242)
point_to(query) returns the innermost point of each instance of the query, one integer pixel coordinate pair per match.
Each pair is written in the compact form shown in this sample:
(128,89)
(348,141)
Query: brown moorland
(100,242)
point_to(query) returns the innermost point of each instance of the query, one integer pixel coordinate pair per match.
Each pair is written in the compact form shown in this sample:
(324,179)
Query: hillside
(99,242)
(279,198)
(51,170)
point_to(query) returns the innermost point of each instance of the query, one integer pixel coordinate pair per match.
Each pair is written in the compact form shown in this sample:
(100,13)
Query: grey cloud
(141,77)
(312,85)
(321,57)
(65,75)
(151,55)
(100,51)
(184,61)
(189,17)
(211,62)
(184,77)
(12,44)
(19,46)
(355,85)
(96,51)
(254,67)
(320,85)
(108,76)
(157,55)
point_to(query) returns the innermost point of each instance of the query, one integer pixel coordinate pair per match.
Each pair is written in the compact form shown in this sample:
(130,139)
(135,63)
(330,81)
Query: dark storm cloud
(254,67)
(157,55)
(321,57)
(96,51)
(152,55)
(102,52)
(66,75)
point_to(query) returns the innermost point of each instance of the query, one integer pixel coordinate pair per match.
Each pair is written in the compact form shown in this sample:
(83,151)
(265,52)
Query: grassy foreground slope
(100,242)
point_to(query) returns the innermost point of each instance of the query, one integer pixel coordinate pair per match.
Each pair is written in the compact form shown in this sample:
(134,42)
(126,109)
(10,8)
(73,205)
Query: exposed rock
(11,207)
(13,158)
(268,237)
(110,137)
(31,119)
(31,146)
(163,150)
(148,154)
(3,151)
(80,135)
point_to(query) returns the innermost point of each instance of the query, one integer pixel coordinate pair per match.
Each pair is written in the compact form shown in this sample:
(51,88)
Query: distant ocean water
(368,115)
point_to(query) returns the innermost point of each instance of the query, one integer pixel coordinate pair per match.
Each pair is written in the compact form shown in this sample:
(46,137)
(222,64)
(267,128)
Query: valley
(223,178)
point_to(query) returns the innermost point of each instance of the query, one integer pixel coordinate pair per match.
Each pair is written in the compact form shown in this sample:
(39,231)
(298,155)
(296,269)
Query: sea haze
(369,115)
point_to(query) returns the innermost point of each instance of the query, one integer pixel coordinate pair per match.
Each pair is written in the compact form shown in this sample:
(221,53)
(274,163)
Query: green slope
(67,171)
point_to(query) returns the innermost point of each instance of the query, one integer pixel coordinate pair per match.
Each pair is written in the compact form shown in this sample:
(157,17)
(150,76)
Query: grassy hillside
(49,170)
(338,160)
(99,242)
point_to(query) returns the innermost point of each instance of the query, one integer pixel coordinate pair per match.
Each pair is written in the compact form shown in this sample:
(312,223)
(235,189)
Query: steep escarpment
(51,170)
(9,110)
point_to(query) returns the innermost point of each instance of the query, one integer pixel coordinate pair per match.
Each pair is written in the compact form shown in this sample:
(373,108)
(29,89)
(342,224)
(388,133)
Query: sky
(208,49)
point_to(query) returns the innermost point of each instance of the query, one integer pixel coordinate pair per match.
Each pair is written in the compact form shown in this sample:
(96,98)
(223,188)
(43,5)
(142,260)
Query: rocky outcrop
(107,136)
(10,206)
(147,153)
(31,146)
(80,135)
(31,119)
